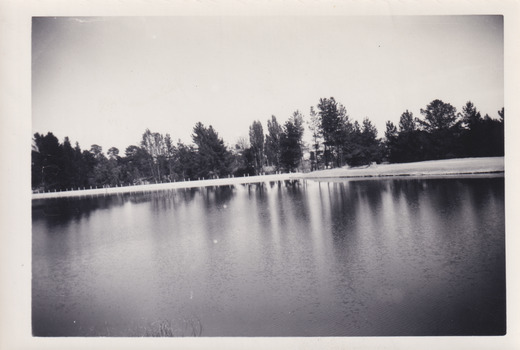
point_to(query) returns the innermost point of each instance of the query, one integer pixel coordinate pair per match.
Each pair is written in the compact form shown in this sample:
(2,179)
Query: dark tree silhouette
(256,138)
(335,128)
(291,142)
(213,158)
(272,142)
(317,136)
(438,116)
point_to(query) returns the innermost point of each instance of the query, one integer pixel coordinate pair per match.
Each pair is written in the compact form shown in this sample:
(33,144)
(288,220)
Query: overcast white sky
(105,80)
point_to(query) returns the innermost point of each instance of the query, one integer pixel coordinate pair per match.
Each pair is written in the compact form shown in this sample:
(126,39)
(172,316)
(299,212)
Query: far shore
(448,167)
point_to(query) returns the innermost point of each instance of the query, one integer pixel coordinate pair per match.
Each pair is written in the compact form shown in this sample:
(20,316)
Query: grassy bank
(459,166)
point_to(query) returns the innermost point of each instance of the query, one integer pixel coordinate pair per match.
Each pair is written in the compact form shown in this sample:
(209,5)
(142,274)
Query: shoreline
(405,176)
(170,186)
(445,167)
(488,166)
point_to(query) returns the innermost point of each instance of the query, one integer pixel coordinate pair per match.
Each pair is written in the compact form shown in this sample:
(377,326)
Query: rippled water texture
(377,257)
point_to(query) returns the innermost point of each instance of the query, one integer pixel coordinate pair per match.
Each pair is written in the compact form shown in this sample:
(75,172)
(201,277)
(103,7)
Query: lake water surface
(347,258)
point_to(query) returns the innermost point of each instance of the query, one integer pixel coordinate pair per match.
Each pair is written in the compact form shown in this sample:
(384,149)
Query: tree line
(444,133)
(60,166)
(336,141)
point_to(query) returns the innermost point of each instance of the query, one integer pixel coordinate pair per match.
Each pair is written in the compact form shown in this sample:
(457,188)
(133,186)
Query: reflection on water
(376,257)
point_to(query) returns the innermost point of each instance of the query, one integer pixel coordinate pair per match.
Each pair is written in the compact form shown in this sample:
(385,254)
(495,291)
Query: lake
(404,256)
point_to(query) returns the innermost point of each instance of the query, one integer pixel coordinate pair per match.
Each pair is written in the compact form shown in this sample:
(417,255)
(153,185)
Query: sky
(104,80)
